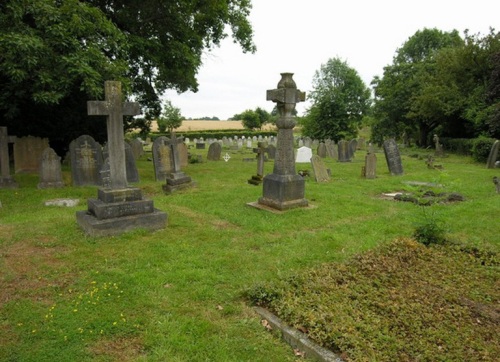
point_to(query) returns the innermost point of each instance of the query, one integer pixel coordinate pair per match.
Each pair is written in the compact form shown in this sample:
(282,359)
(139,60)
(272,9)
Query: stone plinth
(283,192)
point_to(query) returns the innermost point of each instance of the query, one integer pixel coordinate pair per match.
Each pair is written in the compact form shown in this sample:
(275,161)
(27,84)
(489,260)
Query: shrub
(429,230)
(481,148)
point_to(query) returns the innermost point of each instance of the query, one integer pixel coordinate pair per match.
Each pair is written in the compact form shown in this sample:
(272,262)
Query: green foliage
(429,230)
(481,148)
(170,118)
(340,100)
(253,119)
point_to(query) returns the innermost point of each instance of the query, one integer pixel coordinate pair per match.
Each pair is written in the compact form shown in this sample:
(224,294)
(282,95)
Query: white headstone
(304,155)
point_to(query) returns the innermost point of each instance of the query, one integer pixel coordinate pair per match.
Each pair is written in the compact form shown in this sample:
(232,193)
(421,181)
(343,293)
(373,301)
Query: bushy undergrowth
(400,302)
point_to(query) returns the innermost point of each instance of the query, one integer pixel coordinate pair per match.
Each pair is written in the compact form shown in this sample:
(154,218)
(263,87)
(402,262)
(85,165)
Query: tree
(56,55)
(253,119)
(170,119)
(340,99)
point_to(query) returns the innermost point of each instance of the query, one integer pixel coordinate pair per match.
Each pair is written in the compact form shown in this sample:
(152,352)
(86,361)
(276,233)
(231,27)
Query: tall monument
(284,188)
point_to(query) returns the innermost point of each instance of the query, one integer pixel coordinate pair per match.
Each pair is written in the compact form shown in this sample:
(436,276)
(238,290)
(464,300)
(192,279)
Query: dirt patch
(119,349)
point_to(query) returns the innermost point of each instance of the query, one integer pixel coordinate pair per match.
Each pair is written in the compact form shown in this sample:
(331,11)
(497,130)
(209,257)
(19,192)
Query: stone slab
(169,189)
(94,227)
(119,195)
(102,210)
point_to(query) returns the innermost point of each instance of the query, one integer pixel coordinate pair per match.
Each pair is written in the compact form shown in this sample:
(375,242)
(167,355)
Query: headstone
(308,142)
(492,157)
(321,151)
(137,148)
(260,151)
(28,152)
(343,147)
(86,161)
(271,151)
(118,208)
(50,170)
(301,143)
(176,179)
(353,146)
(200,145)
(6,180)
(182,148)
(393,157)
(331,151)
(131,167)
(214,152)
(439,147)
(370,168)
(304,155)
(249,143)
(319,169)
(284,188)
(161,158)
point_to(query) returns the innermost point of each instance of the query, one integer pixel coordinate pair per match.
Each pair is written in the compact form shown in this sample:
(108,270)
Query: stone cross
(173,142)
(5,139)
(114,108)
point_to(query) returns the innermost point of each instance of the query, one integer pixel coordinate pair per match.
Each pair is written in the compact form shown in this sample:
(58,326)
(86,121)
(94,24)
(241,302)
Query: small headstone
(304,155)
(343,147)
(308,142)
(161,158)
(260,151)
(370,169)
(331,150)
(86,161)
(137,148)
(200,145)
(50,170)
(6,180)
(320,172)
(439,147)
(249,143)
(271,151)
(28,152)
(321,150)
(492,157)
(352,147)
(214,152)
(175,178)
(393,157)
(301,143)
(182,148)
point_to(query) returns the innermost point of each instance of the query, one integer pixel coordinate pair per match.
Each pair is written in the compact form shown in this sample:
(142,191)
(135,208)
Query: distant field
(208,125)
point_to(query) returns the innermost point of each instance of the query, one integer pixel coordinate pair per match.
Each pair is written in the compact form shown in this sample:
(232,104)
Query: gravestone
(175,178)
(331,151)
(6,180)
(321,151)
(182,148)
(393,157)
(50,170)
(161,158)
(308,142)
(343,148)
(304,155)
(131,167)
(261,152)
(28,152)
(353,146)
(438,147)
(271,151)
(137,148)
(200,145)
(284,188)
(492,157)
(214,152)
(319,169)
(370,168)
(86,161)
(118,208)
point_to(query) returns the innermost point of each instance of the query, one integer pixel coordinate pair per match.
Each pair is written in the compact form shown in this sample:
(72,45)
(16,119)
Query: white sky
(298,36)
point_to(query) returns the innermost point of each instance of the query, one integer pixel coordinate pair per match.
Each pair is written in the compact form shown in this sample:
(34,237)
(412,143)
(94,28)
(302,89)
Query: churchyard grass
(179,294)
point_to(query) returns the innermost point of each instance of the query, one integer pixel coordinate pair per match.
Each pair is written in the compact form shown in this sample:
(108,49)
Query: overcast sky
(298,36)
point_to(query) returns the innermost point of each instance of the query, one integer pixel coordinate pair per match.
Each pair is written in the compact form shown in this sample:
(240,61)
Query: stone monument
(6,180)
(118,208)
(393,157)
(261,152)
(175,178)
(50,170)
(284,188)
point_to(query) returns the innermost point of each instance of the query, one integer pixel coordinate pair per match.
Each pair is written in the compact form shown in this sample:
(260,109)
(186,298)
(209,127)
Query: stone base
(115,226)
(168,188)
(102,210)
(283,192)
(255,180)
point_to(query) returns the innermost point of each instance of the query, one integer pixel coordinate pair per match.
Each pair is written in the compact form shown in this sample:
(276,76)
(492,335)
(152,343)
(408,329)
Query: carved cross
(114,108)
(173,142)
(260,151)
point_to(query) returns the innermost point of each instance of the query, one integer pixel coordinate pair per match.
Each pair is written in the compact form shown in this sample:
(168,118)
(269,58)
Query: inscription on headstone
(86,161)
(393,157)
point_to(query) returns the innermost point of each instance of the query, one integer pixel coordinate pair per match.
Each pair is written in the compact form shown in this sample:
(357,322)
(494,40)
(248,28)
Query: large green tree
(55,55)
(340,100)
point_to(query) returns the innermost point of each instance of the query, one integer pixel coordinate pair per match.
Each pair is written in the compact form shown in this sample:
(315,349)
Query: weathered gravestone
(118,208)
(28,152)
(182,148)
(137,148)
(492,157)
(271,151)
(370,168)
(393,157)
(439,147)
(50,170)
(131,167)
(261,152)
(86,161)
(175,178)
(214,152)
(344,155)
(319,169)
(161,158)
(304,155)
(331,150)
(321,150)
(284,188)
(352,147)
(6,180)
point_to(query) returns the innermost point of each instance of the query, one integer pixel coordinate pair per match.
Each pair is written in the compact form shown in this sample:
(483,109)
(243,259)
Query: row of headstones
(235,142)
(343,151)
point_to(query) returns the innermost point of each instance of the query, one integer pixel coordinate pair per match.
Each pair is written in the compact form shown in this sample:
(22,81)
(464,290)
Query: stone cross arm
(104,108)
(286,95)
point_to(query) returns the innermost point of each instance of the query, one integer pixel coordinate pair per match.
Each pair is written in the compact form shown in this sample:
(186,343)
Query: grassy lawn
(180,294)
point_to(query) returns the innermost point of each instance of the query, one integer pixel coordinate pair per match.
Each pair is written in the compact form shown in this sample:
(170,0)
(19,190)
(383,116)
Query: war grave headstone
(131,167)
(321,150)
(304,155)
(261,152)
(6,180)
(393,157)
(50,170)
(137,148)
(320,171)
(214,152)
(493,155)
(370,168)
(175,178)
(118,208)
(86,161)
(28,152)
(284,188)
(343,148)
